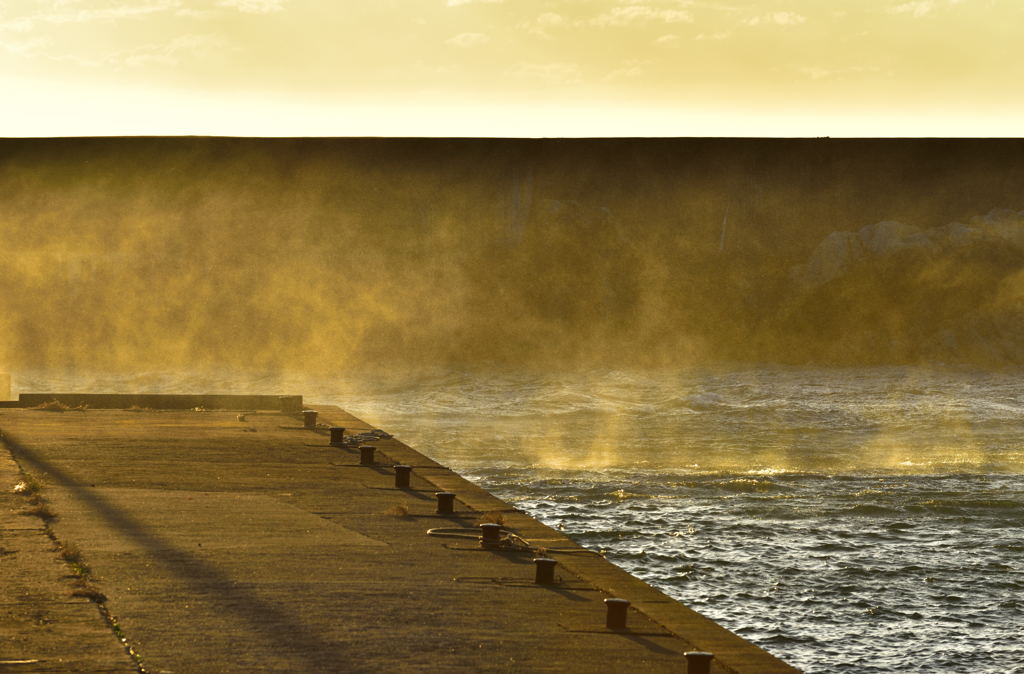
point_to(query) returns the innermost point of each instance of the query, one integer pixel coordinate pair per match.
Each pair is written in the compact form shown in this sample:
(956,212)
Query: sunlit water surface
(847,520)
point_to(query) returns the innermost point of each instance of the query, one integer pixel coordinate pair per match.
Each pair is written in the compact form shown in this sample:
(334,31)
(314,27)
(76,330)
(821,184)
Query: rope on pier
(511,541)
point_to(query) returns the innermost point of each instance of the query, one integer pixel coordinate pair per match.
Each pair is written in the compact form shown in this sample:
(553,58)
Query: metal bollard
(616,619)
(545,571)
(490,535)
(366,455)
(337,436)
(698,662)
(309,418)
(445,502)
(402,476)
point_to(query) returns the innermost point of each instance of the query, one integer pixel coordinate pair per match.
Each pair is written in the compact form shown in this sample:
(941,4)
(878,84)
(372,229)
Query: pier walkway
(161,534)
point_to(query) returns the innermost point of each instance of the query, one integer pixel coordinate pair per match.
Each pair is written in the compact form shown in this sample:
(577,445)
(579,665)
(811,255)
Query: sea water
(846,520)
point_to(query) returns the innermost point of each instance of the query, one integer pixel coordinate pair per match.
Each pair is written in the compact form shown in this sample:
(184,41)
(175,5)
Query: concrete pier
(220,533)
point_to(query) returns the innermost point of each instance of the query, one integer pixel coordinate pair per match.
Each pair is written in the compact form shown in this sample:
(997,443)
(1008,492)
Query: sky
(519,68)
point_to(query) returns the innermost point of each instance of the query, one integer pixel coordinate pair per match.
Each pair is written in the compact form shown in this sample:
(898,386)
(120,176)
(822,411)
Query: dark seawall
(647,252)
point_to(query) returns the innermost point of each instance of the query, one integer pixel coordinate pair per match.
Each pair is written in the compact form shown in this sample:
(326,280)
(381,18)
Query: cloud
(24,48)
(818,73)
(456,3)
(916,8)
(63,13)
(467,40)
(778,18)
(542,23)
(717,6)
(20,25)
(815,72)
(254,6)
(550,19)
(201,14)
(624,16)
(788,18)
(630,70)
(919,8)
(549,73)
(720,35)
(170,53)
(668,41)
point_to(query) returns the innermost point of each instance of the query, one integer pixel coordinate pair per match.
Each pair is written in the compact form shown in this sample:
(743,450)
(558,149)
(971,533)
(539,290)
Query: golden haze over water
(347,254)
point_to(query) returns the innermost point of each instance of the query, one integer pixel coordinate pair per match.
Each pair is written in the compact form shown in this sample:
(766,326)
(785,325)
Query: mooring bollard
(616,618)
(309,418)
(445,502)
(698,662)
(366,455)
(402,476)
(290,404)
(337,436)
(545,571)
(490,535)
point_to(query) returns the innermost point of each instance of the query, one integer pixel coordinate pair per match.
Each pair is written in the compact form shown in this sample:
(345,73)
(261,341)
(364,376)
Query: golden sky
(512,67)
